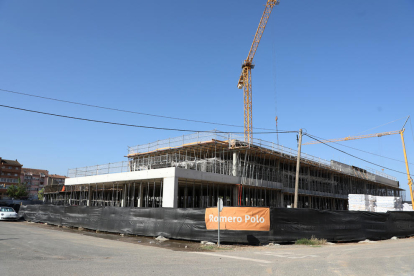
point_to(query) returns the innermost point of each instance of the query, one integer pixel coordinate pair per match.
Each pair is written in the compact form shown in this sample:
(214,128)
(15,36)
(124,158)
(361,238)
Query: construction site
(192,171)
(192,186)
(144,109)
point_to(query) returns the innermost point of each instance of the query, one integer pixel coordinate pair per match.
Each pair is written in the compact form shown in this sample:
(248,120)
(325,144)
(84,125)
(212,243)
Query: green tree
(17,191)
(40,194)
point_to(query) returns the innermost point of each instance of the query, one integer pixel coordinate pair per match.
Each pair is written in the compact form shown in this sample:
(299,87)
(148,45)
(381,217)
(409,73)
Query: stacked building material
(380,204)
(407,207)
(388,203)
(360,202)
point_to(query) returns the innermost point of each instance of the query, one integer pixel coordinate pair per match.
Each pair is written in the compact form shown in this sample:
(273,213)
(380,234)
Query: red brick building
(35,180)
(10,171)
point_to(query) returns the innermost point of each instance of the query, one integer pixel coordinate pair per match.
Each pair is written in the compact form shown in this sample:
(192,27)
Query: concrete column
(279,174)
(170,192)
(236,164)
(140,198)
(123,200)
(309,202)
(281,199)
(88,203)
(133,194)
(235,195)
(185,197)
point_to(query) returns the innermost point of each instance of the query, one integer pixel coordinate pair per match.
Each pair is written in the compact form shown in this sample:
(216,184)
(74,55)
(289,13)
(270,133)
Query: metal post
(295,204)
(219,208)
(218,228)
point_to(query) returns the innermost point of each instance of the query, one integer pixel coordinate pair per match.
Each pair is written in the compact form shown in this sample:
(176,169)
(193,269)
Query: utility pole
(295,204)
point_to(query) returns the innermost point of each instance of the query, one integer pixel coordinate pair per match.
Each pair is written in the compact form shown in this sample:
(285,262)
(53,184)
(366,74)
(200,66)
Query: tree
(17,191)
(40,194)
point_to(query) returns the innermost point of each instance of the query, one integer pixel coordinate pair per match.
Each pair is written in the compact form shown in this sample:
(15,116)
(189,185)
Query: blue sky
(334,68)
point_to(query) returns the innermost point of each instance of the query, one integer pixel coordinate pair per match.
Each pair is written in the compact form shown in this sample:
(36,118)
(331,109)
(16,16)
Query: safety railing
(177,142)
(200,137)
(117,167)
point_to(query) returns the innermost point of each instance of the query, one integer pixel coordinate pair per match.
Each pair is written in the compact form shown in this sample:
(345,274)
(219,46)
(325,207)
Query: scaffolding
(267,173)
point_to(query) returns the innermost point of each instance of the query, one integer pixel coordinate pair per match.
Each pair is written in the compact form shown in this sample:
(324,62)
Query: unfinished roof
(197,139)
(208,143)
(205,145)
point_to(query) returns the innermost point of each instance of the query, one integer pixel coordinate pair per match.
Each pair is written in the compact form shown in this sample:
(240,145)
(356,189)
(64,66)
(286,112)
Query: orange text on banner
(239,218)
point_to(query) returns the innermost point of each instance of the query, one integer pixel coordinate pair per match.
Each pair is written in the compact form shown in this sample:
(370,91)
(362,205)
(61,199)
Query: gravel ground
(38,249)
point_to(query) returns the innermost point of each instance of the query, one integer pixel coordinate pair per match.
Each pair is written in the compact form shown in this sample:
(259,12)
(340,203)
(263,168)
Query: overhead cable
(314,138)
(363,151)
(122,110)
(130,125)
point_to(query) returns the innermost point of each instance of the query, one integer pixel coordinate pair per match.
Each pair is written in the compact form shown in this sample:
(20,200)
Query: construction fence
(286,225)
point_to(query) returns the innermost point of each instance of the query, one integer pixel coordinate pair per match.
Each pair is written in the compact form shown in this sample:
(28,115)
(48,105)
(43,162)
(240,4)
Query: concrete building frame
(192,171)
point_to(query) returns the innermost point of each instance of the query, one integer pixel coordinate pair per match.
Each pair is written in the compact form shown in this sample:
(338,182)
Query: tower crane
(400,132)
(245,80)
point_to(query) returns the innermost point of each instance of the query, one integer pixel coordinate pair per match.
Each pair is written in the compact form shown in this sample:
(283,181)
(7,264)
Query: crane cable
(381,125)
(314,138)
(274,79)
(401,161)
(412,132)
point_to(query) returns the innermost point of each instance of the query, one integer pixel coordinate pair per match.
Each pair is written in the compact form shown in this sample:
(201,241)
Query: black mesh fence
(287,225)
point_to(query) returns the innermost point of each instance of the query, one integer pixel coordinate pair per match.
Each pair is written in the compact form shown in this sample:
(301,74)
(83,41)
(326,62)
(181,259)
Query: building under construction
(192,171)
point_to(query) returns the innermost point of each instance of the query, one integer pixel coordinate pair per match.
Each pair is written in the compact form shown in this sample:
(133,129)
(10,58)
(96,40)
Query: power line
(122,110)
(312,137)
(129,125)
(364,151)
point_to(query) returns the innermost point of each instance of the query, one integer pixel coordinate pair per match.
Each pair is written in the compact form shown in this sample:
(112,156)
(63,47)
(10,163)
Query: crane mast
(245,80)
(410,180)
